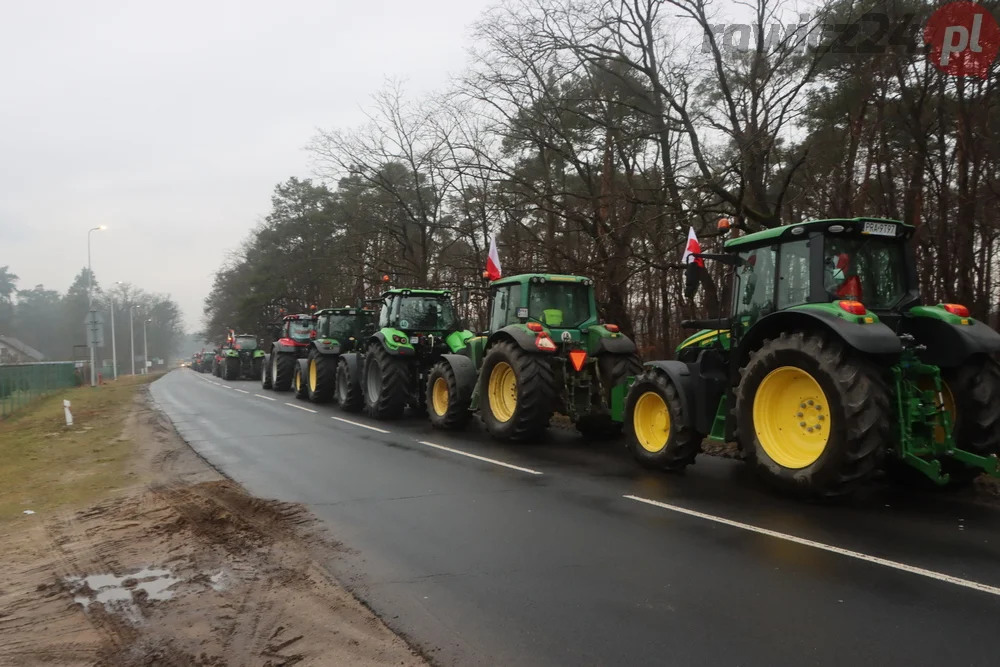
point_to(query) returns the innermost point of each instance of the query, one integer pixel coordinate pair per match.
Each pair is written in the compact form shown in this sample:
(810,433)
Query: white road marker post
(69,415)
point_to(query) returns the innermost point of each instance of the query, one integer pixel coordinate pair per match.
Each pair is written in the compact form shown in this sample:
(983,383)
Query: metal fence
(23,383)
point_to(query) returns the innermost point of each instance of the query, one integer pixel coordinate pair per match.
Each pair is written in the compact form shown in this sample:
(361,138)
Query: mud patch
(183,569)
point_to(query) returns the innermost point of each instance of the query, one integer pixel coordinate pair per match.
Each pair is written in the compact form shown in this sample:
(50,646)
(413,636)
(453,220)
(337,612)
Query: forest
(53,323)
(588,136)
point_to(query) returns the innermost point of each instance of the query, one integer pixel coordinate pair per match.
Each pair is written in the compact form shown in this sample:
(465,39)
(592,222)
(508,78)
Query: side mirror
(690,280)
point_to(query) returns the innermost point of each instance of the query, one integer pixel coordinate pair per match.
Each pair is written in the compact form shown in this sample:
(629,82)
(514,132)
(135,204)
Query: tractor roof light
(853,307)
(535,326)
(956,309)
(577,358)
(613,328)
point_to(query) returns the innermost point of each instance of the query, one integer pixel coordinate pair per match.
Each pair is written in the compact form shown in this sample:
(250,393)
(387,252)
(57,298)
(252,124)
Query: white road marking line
(242,391)
(226,386)
(266,398)
(480,458)
(301,408)
(370,428)
(902,567)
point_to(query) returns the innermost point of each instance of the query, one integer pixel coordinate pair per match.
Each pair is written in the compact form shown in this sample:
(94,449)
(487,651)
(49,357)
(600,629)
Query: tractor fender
(323,347)
(518,334)
(699,394)
(950,344)
(874,338)
(618,345)
(279,346)
(465,372)
(397,349)
(303,367)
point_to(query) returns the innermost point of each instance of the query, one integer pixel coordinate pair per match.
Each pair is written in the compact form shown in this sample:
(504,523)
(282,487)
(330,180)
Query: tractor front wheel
(386,383)
(655,417)
(282,370)
(265,374)
(257,367)
(300,383)
(322,377)
(349,394)
(614,369)
(517,392)
(447,408)
(813,417)
(231,368)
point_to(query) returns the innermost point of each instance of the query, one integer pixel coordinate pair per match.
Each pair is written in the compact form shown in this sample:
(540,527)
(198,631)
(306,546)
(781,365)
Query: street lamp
(90,304)
(145,350)
(131,328)
(114,348)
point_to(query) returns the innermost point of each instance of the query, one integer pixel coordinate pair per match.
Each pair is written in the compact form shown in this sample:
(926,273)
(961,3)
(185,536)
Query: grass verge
(44,464)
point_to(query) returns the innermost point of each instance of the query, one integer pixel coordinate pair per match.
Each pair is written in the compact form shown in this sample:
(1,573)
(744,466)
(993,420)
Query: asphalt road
(558,553)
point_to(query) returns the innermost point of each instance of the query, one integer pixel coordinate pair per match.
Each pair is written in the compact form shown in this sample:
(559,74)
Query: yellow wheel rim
(312,375)
(298,381)
(791,417)
(651,422)
(503,391)
(439,396)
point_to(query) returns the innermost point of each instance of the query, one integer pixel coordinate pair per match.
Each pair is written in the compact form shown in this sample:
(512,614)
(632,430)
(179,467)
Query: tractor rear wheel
(282,370)
(231,368)
(614,369)
(349,394)
(322,377)
(446,407)
(517,392)
(813,417)
(300,383)
(655,419)
(257,368)
(386,383)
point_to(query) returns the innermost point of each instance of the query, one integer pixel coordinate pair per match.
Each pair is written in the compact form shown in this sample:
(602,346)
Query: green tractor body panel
(803,229)
(458,340)
(394,340)
(706,338)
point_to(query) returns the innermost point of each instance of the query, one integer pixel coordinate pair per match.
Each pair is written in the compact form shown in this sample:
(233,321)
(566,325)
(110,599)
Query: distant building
(13,351)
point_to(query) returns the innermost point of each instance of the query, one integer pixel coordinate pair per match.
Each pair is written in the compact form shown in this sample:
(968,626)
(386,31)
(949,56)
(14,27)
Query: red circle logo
(964,39)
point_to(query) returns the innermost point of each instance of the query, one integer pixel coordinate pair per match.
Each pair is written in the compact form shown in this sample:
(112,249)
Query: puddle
(110,589)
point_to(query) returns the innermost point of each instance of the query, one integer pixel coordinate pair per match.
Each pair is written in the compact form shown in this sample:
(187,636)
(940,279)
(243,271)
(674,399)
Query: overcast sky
(171,122)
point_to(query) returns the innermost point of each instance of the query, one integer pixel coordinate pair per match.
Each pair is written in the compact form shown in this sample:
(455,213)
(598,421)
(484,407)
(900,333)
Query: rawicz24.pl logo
(963,38)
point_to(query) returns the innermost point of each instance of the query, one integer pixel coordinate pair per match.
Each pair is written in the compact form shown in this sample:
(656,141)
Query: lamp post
(145,350)
(90,305)
(114,348)
(131,328)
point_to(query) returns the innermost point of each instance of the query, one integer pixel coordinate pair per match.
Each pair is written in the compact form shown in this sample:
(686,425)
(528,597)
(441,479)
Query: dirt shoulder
(174,565)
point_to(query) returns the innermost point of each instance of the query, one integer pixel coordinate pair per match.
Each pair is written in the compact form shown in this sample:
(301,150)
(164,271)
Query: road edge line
(481,458)
(299,407)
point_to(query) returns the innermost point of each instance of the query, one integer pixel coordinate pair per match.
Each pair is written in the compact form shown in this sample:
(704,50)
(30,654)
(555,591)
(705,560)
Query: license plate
(879,229)
(414,340)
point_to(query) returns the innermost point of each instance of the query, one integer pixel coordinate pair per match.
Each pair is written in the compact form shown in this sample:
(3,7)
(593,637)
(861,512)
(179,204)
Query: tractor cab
(418,311)
(245,342)
(343,324)
(561,307)
(297,329)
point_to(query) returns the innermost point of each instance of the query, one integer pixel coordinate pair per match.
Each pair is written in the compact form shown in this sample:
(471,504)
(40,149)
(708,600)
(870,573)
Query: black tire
(385,383)
(300,383)
(257,368)
(682,444)
(282,370)
(231,368)
(613,369)
(265,374)
(535,390)
(859,409)
(456,413)
(326,377)
(349,394)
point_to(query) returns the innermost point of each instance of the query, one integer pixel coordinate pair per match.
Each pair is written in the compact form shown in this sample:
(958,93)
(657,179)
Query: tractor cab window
(340,326)
(755,290)
(421,313)
(867,269)
(245,343)
(383,314)
(793,274)
(560,305)
(501,307)
(299,330)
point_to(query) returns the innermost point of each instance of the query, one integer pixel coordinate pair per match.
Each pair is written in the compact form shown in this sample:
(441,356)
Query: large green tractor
(545,352)
(329,371)
(827,369)
(242,358)
(416,327)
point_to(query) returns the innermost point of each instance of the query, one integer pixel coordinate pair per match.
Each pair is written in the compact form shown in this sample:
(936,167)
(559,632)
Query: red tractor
(294,334)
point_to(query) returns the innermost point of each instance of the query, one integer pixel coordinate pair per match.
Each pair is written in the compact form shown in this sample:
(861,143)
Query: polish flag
(493,261)
(692,247)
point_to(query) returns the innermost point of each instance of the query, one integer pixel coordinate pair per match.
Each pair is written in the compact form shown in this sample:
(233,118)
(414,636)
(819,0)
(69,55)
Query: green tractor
(293,336)
(545,352)
(329,371)
(827,370)
(416,327)
(241,357)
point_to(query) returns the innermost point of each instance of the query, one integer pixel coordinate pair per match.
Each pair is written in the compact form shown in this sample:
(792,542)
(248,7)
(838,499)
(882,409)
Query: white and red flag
(493,271)
(692,247)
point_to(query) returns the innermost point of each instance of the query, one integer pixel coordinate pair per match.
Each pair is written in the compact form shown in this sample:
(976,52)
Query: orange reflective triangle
(577,357)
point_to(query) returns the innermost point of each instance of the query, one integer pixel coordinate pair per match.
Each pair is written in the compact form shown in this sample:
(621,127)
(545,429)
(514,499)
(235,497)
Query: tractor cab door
(504,304)
(753,291)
